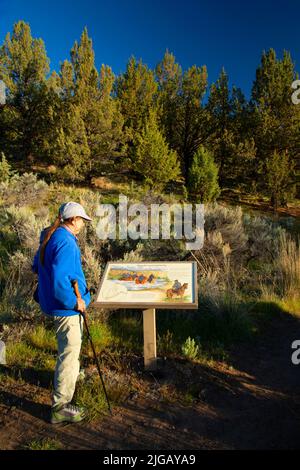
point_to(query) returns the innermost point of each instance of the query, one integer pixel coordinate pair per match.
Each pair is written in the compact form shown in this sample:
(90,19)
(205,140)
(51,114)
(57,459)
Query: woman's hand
(80,305)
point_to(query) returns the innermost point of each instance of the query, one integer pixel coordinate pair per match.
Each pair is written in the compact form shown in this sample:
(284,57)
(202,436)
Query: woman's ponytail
(47,237)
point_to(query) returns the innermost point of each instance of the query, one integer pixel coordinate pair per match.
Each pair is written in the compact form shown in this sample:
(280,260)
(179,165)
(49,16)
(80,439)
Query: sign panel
(166,284)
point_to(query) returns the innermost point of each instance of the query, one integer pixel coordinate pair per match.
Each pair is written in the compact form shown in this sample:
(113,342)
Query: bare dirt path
(254,403)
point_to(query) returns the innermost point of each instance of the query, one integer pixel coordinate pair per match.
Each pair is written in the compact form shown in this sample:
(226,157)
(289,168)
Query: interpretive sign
(168,284)
(147,286)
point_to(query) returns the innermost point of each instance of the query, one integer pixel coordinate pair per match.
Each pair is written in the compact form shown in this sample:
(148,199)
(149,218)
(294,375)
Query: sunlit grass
(42,338)
(23,355)
(101,336)
(43,444)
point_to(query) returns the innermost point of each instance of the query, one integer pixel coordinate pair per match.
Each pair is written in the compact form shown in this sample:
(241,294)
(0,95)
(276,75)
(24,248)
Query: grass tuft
(43,444)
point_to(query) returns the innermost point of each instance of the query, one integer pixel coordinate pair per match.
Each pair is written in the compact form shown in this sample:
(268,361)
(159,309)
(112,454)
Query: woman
(57,262)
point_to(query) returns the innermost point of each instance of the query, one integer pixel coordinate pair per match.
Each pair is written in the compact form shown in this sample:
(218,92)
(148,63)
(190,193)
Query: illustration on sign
(163,284)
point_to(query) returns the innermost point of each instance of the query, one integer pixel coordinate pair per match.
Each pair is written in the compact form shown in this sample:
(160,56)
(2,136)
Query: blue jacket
(62,264)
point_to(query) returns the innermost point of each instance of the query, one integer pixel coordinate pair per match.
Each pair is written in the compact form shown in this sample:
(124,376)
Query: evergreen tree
(104,123)
(5,169)
(279,181)
(152,157)
(136,89)
(192,116)
(85,73)
(66,81)
(169,78)
(71,152)
(234,152)
(203,176)
(183,116)
(93,95)
(276,120)
(23,68)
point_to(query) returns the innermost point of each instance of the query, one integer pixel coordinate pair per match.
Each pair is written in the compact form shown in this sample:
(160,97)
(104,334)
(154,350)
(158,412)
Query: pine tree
(152,156)
(203,177)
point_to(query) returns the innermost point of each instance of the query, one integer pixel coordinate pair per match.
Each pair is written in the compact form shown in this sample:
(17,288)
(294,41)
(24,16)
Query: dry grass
(288,264)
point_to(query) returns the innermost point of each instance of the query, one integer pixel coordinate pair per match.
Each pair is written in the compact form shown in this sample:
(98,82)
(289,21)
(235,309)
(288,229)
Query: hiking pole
(78,295)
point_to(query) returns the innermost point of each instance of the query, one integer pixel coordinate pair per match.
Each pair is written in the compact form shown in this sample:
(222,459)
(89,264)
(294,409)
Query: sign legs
(149,327)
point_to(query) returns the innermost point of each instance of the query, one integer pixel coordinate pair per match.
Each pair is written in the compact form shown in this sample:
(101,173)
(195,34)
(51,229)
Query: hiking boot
(67,413)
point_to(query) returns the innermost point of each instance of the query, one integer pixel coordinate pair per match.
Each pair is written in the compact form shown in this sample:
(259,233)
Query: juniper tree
(191,116)
(233,150)
(279,178)
(24,66)
(71,152)
(136,89)
(169,79)
(92,93)
(152,157)
(276,120)
(203,176)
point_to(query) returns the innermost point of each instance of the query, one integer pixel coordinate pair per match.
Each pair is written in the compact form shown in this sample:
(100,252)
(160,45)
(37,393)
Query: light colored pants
(69,337)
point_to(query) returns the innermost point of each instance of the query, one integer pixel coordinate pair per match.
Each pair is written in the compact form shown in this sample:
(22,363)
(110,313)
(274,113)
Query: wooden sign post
(149,326)
(147,286)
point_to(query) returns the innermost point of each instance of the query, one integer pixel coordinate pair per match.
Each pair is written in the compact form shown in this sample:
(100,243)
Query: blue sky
(217,33)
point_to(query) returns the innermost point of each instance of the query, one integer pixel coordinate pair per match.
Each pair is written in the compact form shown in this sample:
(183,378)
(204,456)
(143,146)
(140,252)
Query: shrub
(23,190)
(5,169)
(190,349)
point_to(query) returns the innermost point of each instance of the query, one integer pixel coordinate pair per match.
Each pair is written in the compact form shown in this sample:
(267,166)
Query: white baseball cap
(72,209)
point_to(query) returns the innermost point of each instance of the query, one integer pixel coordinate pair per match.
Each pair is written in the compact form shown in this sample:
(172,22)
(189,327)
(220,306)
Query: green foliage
(5,169)
(92,93)
(23,59)
(152,157)
(275,120)
(43,444)
(279,178)
(190,349)
(233,149)
(70,150)
(203,176)
(90,395)
(42,338)
(101,336)
(126,332)
(135,90)
(165,343)
(21,355)
(169,75)
(182,114)
(25,118)
(86,121)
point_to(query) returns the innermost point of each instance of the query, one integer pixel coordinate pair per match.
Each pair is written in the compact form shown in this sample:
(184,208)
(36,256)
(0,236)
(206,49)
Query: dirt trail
(253,404)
